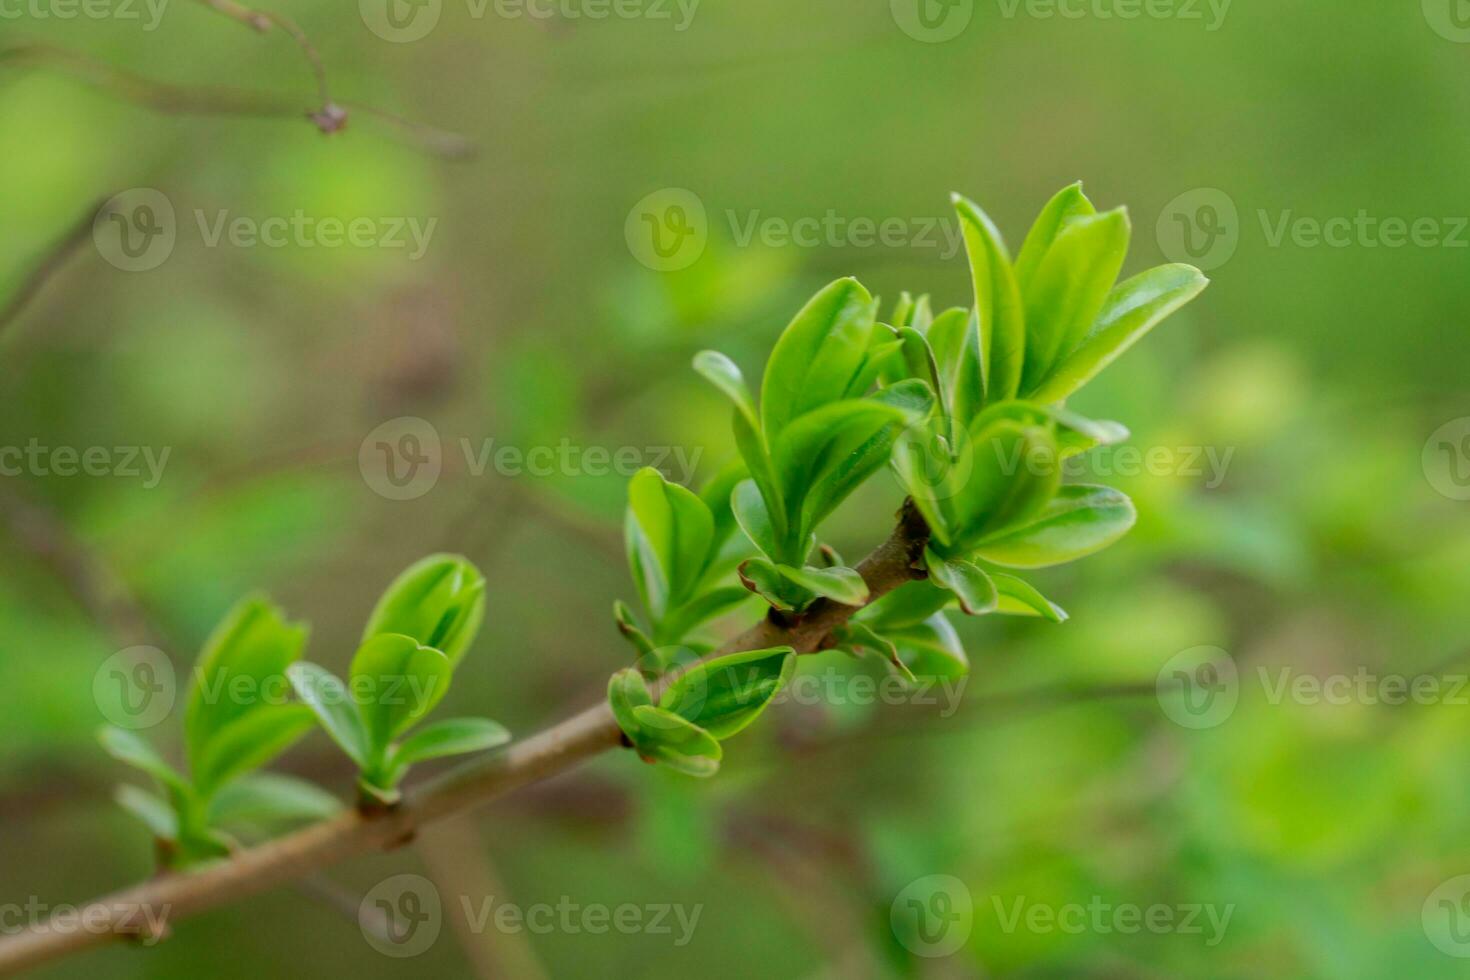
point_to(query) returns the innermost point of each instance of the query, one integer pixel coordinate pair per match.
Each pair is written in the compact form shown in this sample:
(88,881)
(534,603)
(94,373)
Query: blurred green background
(1334,544)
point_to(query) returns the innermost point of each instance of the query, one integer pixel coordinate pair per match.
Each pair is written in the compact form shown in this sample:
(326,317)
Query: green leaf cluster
(237,721)
(414,638)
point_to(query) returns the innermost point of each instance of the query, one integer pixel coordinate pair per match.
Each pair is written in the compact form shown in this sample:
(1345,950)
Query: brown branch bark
(136,912)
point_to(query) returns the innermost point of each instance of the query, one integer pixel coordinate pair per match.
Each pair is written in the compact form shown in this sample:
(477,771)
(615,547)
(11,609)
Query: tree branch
(138,912)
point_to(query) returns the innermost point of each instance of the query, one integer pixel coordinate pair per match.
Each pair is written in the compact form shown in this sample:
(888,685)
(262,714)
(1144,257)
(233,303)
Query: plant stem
(144,911)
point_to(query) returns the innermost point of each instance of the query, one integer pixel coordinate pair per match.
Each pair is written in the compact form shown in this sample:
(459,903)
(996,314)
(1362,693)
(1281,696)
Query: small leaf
(976,591)
(268,800)
(1080,520)
(931,648)
(627,690)
(249,651)
(1014,470)
(1132,309)
(755,518)
(722,372)
(817,355)
(156,815)
(395,682)
(1069,288)
(125,746)
(999,322)
(842,585)
(455,736)
(726,694)
(716,496)
(676,742)
(327,697)
(1020,598)
(858,635)
(439,601)
(628,627)
(249,743)
(675,527)
(764,578)
(1067,204)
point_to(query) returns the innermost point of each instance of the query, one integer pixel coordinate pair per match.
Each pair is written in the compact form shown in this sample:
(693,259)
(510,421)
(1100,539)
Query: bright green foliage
(396,679)
(675,541)
(815,437)
(700,707)
(967,405)
(236,722)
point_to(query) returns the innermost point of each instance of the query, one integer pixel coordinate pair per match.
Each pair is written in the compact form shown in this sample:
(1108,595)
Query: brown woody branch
(136,912)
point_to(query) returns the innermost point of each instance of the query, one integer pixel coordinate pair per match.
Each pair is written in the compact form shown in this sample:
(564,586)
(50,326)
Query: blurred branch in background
(50,263)
(172,99)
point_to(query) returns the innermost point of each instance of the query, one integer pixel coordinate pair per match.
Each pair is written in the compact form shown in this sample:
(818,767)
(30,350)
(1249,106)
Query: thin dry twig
(50,264)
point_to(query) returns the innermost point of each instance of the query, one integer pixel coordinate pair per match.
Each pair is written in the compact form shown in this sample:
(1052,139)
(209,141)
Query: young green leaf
(908,605)
(268,800)
(764,578)
(439,601)
(1080,520)
(726,694)
(670,529)
(748,503)
(931,648)
(328,698)
(1067,204)
(1014,470)
(156,815)
(455,736)
(249,743)
(1020,598)
(679,623)
(248,652)
(1132,309)
(966,580)
(857,635)
(817,356)
(125,746)
(842,585)
(395,682)
(1069,288)
(628,626)
(627,690)
(999,323)
(676,742)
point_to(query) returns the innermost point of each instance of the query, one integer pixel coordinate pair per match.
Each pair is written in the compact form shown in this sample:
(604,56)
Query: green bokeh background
(1327,549)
